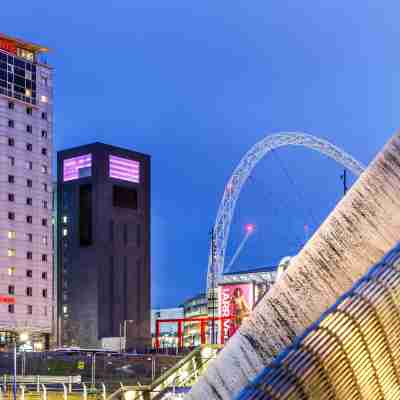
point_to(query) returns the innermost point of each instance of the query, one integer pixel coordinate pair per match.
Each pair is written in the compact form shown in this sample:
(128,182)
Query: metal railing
(112,369)
(54,391)
(183,375)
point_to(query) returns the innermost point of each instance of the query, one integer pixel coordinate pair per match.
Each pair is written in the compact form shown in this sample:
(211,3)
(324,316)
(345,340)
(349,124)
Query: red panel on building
(7,300)
(8,46)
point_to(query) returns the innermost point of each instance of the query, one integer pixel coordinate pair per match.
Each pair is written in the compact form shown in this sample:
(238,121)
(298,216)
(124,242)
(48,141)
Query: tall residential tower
(25,192)
(103,223)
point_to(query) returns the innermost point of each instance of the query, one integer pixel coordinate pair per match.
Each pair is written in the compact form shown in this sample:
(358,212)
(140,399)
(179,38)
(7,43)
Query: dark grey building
(103,254)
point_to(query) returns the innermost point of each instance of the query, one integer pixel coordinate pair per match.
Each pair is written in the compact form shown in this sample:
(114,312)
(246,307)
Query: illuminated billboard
(235,302)
(77,167)
(124,169)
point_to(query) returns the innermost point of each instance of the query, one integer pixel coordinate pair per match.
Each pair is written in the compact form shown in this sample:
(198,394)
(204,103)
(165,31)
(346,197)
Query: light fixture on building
(24,336)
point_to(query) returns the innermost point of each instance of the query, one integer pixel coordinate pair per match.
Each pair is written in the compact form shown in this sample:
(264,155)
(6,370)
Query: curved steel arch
(242,172)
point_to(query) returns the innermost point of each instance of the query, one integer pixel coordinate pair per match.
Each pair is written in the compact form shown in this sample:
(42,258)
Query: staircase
(175,382)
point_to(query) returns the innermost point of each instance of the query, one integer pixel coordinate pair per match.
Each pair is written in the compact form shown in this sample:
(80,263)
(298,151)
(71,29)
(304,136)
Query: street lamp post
(213,284)
(123,331)
(15,370)
(23,337)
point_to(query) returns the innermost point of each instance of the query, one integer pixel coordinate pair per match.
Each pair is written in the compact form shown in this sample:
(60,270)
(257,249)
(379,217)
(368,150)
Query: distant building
(26,148)
(195,307)
(261,278)
(238,294)
(284,265)
(103,225)
(168,331)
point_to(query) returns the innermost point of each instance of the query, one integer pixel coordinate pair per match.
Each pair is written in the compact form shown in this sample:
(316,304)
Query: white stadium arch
(241,173)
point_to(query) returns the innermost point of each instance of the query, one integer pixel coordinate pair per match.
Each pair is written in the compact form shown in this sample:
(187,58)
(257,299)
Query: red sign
(8,46)
(235,301)
(7,300)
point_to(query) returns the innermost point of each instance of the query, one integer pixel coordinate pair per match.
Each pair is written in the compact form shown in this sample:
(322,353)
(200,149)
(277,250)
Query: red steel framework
(203,326)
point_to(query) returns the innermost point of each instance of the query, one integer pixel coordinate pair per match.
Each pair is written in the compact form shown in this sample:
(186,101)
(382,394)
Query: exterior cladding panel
(108,282)
(40,321)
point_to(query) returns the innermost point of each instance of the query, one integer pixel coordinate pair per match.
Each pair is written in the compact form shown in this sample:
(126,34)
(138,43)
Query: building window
(29,110)
(11,252)
(44,134)
(29,201)
(29,147)
(65,232)
(124,197)
(11,289)
(111,230)
(29,165)
(11,308)
(29,273)
(44,257)
(11,123)
(11,234)
(44,276)
(44,222)
(10,178)
(44,203)
(44,185)
(29,128)
(45,311)
(29,255)
(138,235)
(28,92)
(11,141)
(44,292)
(29,291)
(29,219)
(11,161)
(29,309)
(11,271)
(44,151)
(11,197)
(11,215)
(29,182)
(64,219)
(44,169)
(44,99)
(125,234)
(44,240)
(29,237)
(85,215)
(44,115)
(11,105)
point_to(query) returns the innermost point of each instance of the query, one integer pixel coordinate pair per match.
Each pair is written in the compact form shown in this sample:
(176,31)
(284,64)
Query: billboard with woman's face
(235,302)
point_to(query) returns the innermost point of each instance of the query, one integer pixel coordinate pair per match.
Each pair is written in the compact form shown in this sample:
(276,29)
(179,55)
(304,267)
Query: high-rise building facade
(103,223)
(26,113)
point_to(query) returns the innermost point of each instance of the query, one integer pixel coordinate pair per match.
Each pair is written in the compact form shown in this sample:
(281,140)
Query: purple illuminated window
(77,167)
(124,169)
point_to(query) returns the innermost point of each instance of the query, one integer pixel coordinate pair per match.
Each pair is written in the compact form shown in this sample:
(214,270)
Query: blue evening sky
(197,83)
